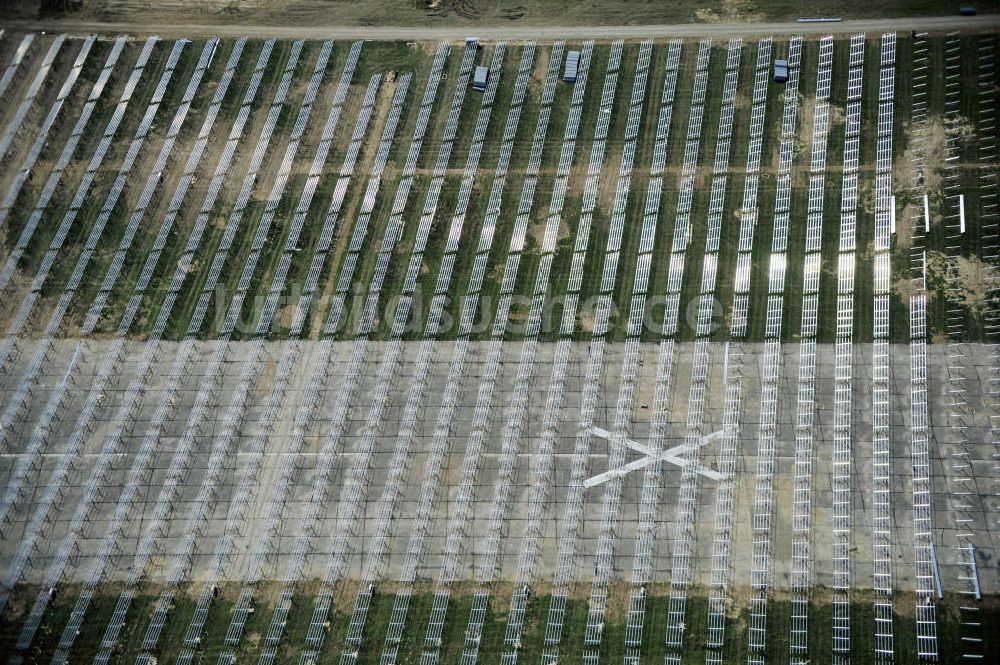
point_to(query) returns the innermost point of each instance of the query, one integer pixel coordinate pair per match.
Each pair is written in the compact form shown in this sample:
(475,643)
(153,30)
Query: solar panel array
(118,618)
(19,402)
(207,391)
(881,445)
(687,494)
(843,363)
(222,443)
(925,564)
(611,504)
(14,126)
(83,428)
(566,555)
(27,306)
(458,524)
(989,224)
(207,208)
(722,528)
(54,493)
(177,200)
(542,471)
(136,386)
(290,467)
(10,71)
(55,405)
(264,549)
(989,232)
(489,561)
(72,286)
(356,486)
(686,194)
(642,563)
(989,184)
(725,499)
(239,504)
(963,501)
(925,555)
(51,460)
(332,221)
(127,411)
(450,398)
(31,297)
(665,364)
(346,394)
(802,493)
(388,366)
(333,441)
(402,308)
(260,152)
(682,221)
(54,180)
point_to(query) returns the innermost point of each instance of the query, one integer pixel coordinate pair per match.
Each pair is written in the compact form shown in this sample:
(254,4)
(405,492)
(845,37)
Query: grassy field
(481,12)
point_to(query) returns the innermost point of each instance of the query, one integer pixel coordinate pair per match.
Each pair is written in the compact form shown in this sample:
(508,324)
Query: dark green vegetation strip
(471,13)
(653,646)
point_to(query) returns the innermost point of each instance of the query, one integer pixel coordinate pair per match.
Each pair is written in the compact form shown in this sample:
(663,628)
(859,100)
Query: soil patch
(904,226)
(906,288)
(933,137)
(731,11)
(975,278)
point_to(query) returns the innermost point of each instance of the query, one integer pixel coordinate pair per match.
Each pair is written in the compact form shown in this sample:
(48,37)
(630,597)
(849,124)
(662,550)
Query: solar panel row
(14,126)
(540,486)
(681,557)
(802,557)
(880,395)
(611,504)
(513,431)
(563,572)
(842,438)
(202,506)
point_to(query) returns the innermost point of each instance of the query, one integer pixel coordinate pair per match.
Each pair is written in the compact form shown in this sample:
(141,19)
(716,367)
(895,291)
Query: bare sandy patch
(934,139)
(802,141)
(837,115)
(537,231)
(267,376)
(933,136)
(536,81)
(905,288)
(904,226)
(731,11)
(974,279)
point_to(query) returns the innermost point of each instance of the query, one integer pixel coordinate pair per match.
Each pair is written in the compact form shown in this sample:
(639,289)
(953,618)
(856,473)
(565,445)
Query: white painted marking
(671,456)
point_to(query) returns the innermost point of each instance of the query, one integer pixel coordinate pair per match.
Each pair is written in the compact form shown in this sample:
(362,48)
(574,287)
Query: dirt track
(987,22)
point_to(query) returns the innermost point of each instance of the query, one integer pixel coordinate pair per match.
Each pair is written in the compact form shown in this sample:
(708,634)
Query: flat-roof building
(572,65)
(480,78)
(781,71)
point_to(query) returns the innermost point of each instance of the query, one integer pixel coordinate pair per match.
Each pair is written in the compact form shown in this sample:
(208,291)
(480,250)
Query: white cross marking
(671,456)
